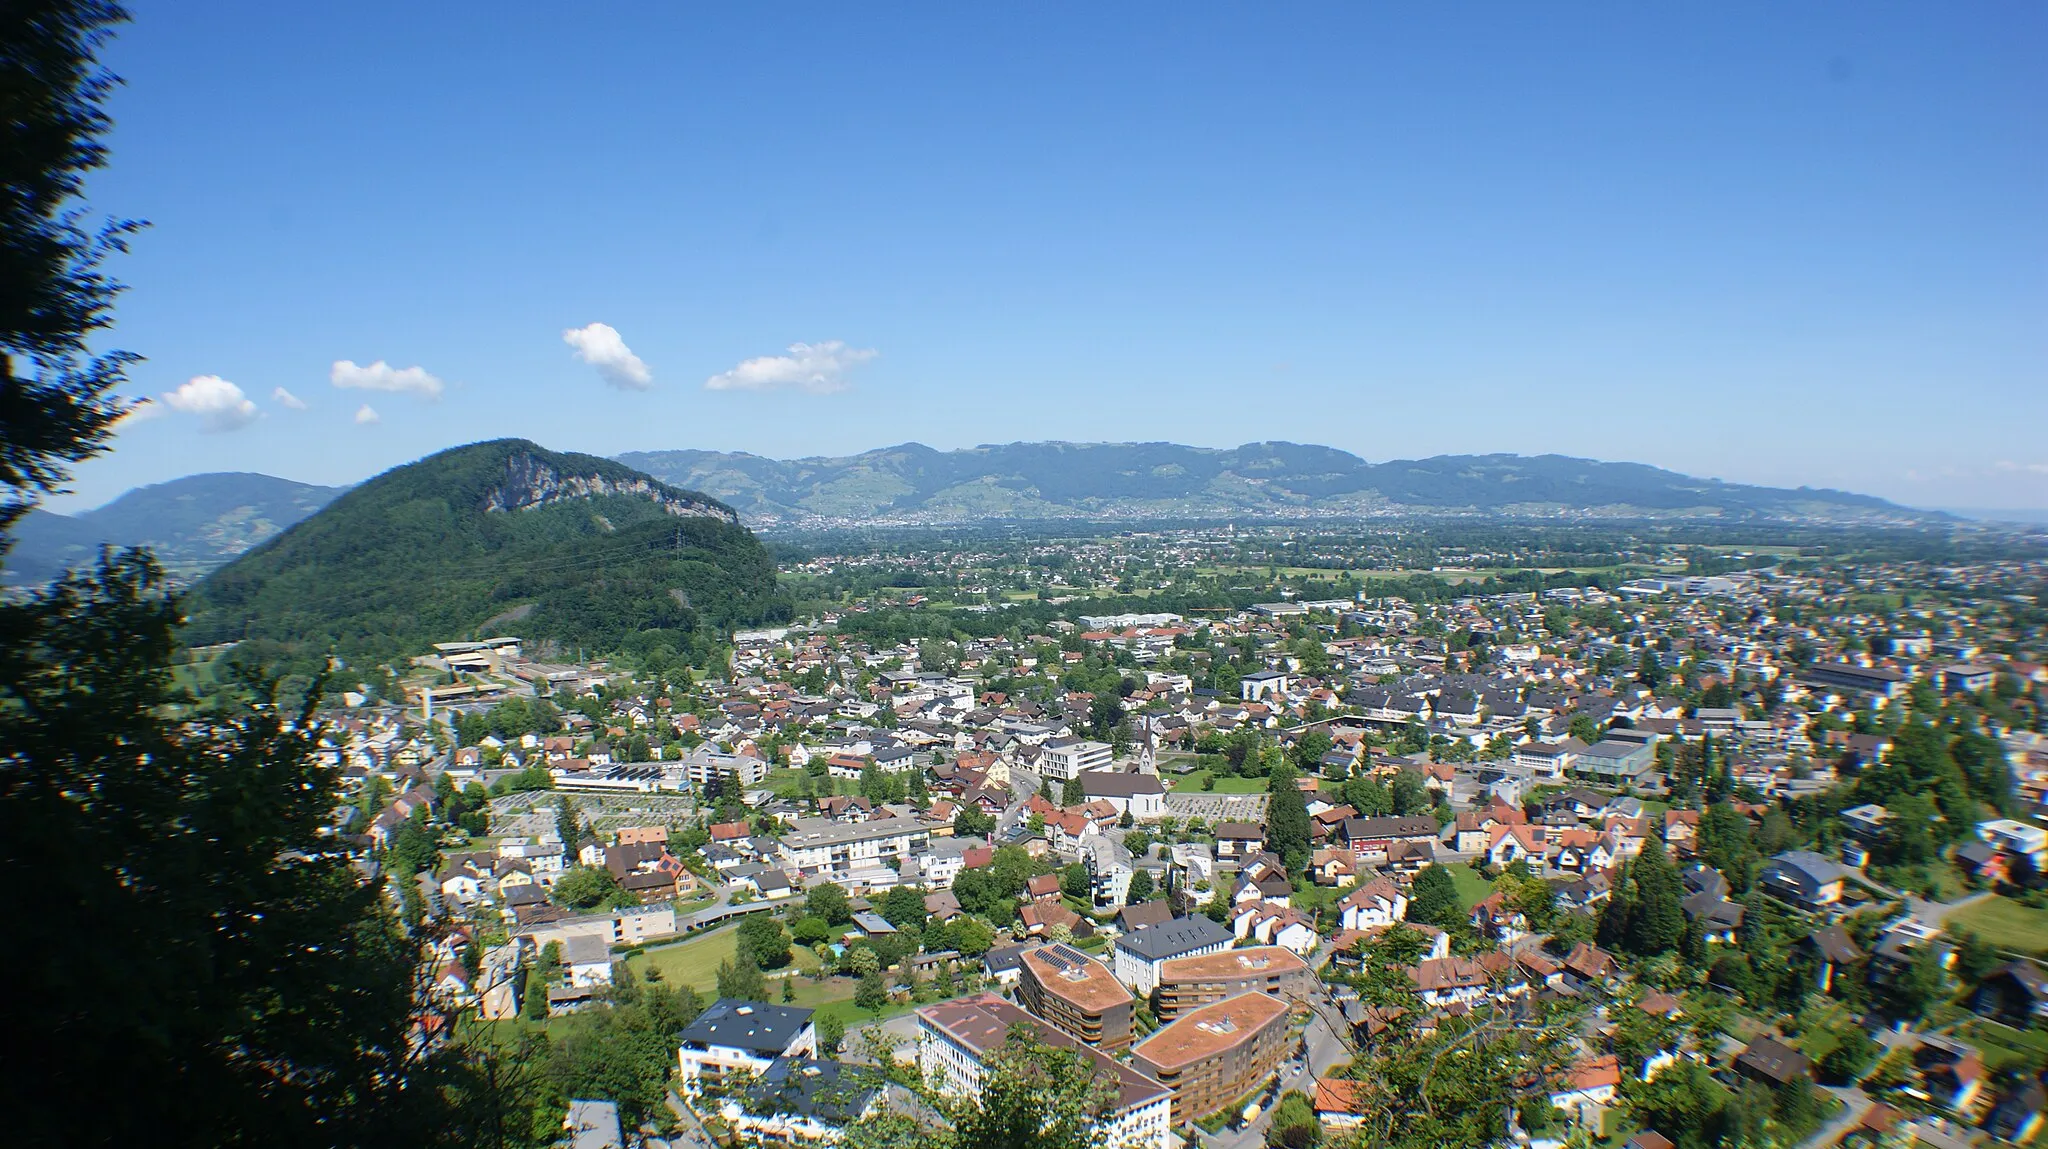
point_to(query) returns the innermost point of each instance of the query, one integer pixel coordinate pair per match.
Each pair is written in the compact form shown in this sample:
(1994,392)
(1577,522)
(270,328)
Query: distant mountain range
(497,537)
(200,522)
(194,524)
(915,484)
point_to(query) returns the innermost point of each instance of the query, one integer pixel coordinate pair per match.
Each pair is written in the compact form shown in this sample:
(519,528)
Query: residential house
(1375,904)
(1803,878)
(1951,1072)
(1138,956)
(733,1036)
(1772,1063)
(2016,993)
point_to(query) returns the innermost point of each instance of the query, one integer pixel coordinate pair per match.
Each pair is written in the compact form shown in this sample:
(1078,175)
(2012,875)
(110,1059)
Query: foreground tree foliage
(198,965)
(209,969)
(1033,1096)
(1459,1085)
(513,1091)
(56,405)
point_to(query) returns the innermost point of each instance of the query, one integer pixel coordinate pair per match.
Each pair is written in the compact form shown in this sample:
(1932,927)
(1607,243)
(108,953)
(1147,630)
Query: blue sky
(1768,243)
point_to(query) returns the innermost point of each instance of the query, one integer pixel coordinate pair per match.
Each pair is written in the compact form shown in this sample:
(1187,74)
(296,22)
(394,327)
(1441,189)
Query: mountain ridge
(194,524)
(201,522)
(577,549)
(911,483)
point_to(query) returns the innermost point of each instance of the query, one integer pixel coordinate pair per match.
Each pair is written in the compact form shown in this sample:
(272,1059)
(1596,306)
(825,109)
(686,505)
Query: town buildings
(1188,983)
(1076,993)
(1216,1054)
(1138,956)
(956,1038)
(733,1036)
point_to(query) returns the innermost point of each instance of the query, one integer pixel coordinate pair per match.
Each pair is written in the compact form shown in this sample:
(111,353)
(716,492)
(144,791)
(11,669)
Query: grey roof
(1174,938)
(1835,945)
(766,1030)
(1110,784)
(825,1091)
(1779,1062)
(1006,958)
(1701,878)
(583,949)
(1817,869)
(818,832)
(1394,826)
(1714,908)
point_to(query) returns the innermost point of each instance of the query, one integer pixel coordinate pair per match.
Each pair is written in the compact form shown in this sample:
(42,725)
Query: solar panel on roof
(1058,957)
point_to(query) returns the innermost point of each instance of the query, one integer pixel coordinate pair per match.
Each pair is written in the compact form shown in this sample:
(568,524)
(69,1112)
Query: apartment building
(955,1039)
(1215,1055)
(836,849)
(1064,758)
(1140,953)
(704,763)
(1078,994)
(1190,983)
(733,1036)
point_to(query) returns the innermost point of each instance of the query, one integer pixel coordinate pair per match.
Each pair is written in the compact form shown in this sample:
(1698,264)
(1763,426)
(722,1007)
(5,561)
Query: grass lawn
(2006,1049)
(1192,784)
(1309,897)
(1821,1029)
(692,962)
(692,905)
(1818,1043)
(1471,886)
(2004,922)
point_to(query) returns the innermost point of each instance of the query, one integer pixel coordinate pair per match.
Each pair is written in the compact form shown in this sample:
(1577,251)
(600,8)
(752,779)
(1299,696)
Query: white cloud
(2023,468)
(285,398)
(366,415)
(381,376)
(600,346)
(144,411)
(818,368)
(220,405)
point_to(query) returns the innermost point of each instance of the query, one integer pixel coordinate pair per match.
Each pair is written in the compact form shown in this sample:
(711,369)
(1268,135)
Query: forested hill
(497,537)
(193,524)
(913,483)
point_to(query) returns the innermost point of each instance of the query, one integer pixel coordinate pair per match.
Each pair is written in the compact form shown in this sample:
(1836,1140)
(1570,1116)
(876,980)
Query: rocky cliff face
(531,482)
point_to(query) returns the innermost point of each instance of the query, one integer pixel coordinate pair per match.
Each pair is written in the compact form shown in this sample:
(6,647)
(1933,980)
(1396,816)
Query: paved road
(693,1134)
(1855,1103)
(1023,784)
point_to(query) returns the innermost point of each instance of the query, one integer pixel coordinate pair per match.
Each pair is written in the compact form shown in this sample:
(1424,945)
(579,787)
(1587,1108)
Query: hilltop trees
(1034,1096)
